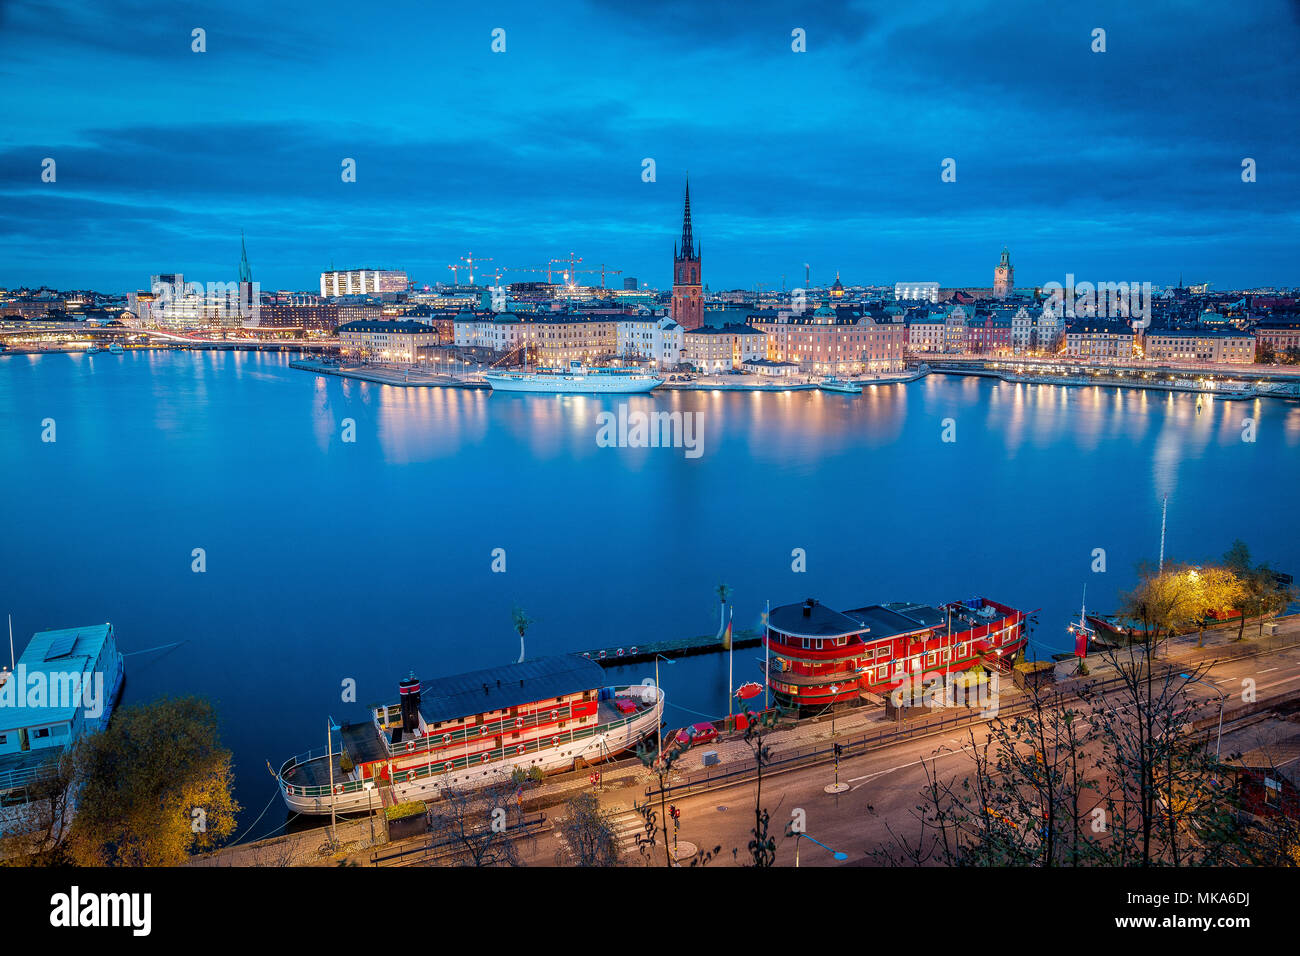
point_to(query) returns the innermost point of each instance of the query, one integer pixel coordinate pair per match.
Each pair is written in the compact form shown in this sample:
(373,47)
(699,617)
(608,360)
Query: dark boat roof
(498,688)
(820,621)
(888,620)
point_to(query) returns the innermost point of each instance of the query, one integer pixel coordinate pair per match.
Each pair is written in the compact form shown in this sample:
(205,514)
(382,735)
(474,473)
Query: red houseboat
(817,656)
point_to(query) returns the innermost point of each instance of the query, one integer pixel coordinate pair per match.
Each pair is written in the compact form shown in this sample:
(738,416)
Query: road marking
(1267,669)
(902,766)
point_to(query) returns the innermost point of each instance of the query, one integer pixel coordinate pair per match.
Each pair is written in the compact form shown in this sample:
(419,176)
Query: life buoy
(483,758)
(447,766)
(620,652)
(410,745)
(555,741)
(288,790)
(338,788)
(410,776)
(446,738)
(555,714)
(633,651)
(519,722)
(587,655)
(521,749)
(602,655)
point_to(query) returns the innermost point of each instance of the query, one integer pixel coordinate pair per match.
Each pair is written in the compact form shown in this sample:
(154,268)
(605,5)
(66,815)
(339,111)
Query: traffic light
(839,751)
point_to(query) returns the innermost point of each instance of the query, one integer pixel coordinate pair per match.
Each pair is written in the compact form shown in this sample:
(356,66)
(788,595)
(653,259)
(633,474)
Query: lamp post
(370,807)
(800,834)
(330,727)
(1223,698)
(659,728)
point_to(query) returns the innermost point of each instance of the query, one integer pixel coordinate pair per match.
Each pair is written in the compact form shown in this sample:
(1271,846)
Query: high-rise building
(1004,275)
(362,282)
(688,293)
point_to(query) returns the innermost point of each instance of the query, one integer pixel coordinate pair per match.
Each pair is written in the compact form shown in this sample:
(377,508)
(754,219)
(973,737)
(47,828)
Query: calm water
(328,560)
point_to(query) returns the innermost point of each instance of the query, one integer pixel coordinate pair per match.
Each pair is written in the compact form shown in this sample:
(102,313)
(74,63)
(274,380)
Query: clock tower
(688,294)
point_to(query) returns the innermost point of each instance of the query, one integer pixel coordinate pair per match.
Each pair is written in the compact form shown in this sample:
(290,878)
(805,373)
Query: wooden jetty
(680,647)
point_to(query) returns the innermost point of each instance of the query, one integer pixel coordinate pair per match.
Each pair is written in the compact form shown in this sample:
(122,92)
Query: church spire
(688,241)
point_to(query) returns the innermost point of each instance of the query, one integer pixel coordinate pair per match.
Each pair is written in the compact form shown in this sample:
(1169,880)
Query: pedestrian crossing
(625,823)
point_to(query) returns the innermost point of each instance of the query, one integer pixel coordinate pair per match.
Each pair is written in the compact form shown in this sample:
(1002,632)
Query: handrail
(463,761)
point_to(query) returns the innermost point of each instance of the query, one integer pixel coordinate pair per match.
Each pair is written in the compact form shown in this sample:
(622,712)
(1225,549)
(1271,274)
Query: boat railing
(465,761)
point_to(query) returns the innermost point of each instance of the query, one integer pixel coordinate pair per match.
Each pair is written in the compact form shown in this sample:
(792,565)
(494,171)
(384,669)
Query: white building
(362,282)
(655,339)
(395,342)
(916,291)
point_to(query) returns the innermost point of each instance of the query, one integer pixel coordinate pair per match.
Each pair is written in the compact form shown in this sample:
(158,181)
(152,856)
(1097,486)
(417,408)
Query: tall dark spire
(688,241)
(245,272)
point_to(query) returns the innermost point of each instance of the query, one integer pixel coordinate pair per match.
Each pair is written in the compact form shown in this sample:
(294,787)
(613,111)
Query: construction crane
(469,261)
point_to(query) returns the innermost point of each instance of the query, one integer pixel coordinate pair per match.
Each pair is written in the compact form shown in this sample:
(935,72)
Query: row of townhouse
(835,342)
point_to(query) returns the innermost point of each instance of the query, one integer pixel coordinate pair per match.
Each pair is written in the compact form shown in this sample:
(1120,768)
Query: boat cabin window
(40,732)
(884,652)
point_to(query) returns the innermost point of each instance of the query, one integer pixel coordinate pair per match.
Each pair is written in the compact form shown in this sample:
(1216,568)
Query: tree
(762,848)
(588,834)
(1218,589)
(471,825)
(152,788)
(1163,602)
(521,622)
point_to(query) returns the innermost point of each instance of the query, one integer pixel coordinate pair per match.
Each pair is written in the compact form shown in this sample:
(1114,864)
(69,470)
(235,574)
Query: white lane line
(1267,669)
(902,766)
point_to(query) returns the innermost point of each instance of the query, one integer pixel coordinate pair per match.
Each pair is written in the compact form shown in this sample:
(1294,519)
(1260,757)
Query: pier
(619,655)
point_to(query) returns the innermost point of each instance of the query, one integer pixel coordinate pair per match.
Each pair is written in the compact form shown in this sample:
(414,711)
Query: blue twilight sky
(1124,165)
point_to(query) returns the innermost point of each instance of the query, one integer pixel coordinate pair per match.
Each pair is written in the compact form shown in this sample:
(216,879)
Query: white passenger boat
(577,379)
(833,384)
(551,714)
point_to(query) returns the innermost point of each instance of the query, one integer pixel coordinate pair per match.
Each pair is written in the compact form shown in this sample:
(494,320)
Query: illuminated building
(362,282)
(688,293)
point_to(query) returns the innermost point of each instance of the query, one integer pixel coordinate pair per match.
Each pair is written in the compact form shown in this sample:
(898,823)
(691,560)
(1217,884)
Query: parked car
(697,734)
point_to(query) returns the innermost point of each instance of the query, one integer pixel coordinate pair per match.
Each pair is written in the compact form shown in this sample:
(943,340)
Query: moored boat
(473,729)
(576,379)
(817,656)
(63,687)
(833,384)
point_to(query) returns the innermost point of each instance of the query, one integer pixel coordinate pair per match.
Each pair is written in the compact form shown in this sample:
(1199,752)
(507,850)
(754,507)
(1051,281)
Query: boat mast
(1164,510)
(12,666)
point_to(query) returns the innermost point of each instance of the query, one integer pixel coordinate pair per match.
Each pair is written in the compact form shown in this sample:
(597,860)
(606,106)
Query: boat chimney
(808,605)
(408,691)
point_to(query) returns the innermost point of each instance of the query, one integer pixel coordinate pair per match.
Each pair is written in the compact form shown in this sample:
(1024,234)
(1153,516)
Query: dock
(617,656)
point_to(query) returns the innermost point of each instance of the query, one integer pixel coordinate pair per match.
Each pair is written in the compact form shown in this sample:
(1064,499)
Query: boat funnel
(408,692)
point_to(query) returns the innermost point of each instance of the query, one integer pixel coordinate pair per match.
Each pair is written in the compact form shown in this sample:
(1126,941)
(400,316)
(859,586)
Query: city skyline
(1122,165)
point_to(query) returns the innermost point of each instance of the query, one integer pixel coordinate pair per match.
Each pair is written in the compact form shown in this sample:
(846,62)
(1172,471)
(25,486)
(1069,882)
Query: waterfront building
(989,334)
(396,342)
(817,657)
(296,313)
(712,348)
(551,339)
(1199,345)
(831,342)
(362,282)
(1279,334)
(659,340)
(927,332)
(1004,275)
(358,310)
(918,291)
(1099,339)
(688,293)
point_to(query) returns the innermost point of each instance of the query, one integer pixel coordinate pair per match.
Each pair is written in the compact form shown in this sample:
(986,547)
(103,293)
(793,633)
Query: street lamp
(1223,698)
(659,730)
(369,786)
(330,727)
(799,833)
